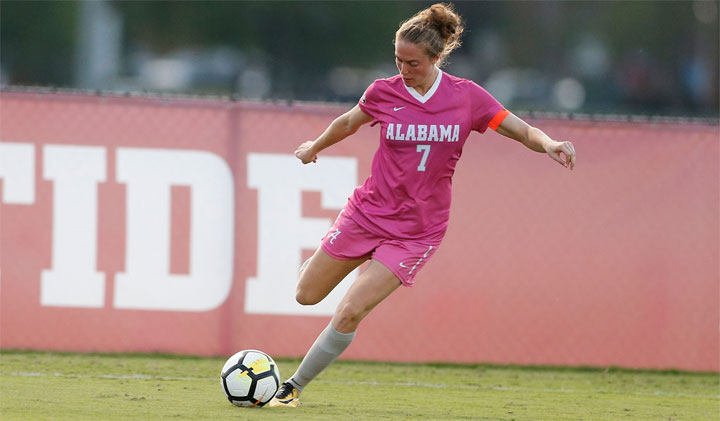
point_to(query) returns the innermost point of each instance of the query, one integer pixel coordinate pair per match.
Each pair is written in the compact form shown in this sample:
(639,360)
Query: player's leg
(321,274)
(371,287)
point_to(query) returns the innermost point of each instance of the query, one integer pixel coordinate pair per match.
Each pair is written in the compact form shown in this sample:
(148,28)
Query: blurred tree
(38,41)
(660,55)
(301,39)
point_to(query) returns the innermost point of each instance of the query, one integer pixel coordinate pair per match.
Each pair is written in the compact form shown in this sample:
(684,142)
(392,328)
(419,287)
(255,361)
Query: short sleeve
(369,101)
(486,110)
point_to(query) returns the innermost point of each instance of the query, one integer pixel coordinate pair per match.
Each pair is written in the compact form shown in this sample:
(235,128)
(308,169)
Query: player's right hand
(305,154)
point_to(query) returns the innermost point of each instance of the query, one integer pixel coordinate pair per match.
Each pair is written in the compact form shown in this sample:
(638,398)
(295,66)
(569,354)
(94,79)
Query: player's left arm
(535,139)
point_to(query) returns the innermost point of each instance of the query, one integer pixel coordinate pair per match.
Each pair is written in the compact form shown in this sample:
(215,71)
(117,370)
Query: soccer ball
(250,378)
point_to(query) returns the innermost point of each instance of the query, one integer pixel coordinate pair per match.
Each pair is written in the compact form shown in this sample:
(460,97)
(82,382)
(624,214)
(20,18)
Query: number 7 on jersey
(425,149)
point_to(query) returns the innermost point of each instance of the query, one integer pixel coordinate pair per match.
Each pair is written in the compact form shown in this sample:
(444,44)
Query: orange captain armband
(498,119)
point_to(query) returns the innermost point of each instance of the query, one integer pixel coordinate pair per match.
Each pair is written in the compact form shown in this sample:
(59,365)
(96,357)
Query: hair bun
(443,18)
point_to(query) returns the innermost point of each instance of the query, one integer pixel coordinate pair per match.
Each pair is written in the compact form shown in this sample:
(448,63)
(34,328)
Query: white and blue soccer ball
(250,378)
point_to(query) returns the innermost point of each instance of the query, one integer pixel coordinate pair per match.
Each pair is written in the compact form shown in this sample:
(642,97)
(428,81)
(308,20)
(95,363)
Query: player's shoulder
(467,88)
(381,89)
(459,82)
(388,82)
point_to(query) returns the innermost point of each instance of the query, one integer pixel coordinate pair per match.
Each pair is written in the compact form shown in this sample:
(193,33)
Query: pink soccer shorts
(347,240)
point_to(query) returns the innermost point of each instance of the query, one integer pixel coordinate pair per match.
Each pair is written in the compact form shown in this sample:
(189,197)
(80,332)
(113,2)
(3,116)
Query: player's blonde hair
(437,28)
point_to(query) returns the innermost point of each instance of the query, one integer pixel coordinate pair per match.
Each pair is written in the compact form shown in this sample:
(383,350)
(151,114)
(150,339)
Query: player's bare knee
(305,297)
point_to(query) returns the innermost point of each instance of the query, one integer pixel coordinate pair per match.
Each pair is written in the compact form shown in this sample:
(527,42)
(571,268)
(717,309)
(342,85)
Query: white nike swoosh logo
(398,108)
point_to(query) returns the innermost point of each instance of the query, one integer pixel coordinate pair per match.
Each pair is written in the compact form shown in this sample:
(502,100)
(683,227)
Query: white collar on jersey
(424,98)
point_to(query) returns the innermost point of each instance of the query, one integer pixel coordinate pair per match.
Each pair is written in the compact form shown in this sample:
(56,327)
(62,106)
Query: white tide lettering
(283,230)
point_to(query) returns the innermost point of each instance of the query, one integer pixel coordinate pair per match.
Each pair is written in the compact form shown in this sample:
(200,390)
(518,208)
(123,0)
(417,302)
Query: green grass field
(64,386)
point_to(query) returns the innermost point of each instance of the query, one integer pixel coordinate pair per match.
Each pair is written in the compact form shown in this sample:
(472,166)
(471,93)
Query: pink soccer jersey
(408,193)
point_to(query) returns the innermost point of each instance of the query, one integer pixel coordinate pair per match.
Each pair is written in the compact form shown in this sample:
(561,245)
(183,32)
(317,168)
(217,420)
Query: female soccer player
(398,217)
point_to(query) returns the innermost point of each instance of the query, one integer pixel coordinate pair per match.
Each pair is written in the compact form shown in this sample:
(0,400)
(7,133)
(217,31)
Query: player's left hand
(563,153)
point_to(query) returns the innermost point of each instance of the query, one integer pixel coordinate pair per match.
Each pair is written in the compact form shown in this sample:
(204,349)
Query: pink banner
(136,224)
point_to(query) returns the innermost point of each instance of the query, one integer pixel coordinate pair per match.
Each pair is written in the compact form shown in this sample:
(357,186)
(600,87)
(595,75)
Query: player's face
(415,66)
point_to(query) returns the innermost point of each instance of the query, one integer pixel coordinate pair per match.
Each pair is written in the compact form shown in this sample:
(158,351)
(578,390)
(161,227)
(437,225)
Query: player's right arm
(339,129)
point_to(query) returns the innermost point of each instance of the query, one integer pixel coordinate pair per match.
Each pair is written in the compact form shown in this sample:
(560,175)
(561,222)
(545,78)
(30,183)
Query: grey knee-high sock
(327,347)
